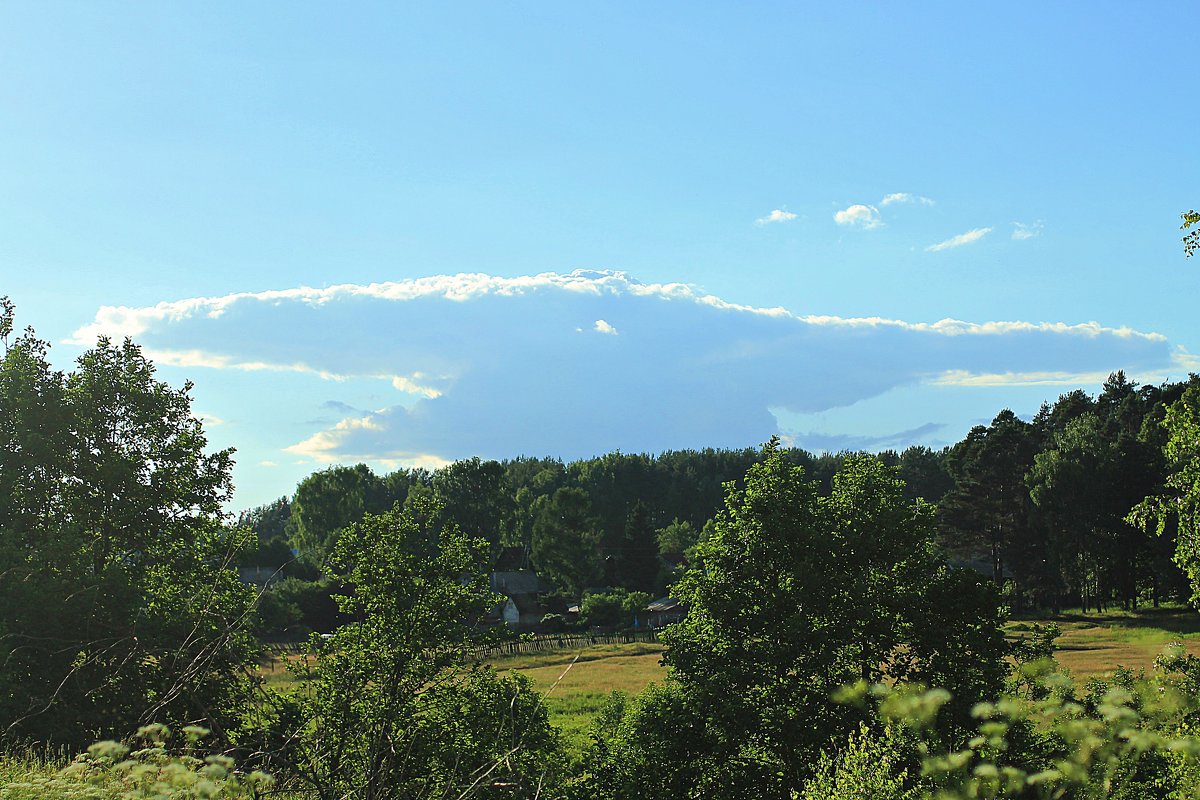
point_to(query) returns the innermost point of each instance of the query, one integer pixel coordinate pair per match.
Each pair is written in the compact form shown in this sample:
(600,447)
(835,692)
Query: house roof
(664,604)
(524,581)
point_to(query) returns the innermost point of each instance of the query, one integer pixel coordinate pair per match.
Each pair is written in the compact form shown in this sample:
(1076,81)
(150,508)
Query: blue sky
(405,235)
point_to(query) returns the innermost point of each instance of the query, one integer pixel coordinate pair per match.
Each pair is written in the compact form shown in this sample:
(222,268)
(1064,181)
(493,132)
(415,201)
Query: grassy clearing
(577,682)
(1096,644)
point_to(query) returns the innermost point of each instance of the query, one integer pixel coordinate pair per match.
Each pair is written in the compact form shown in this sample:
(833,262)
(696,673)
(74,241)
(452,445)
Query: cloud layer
(491,366)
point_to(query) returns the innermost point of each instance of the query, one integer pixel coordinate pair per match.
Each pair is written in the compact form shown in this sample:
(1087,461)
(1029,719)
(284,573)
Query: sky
(404,235)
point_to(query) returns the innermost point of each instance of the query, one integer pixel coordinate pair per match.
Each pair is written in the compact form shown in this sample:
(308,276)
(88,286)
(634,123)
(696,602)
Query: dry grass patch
(1096,644)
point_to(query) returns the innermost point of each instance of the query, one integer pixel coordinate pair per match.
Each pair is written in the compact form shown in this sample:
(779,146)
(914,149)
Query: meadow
(576,683)
(1096,644)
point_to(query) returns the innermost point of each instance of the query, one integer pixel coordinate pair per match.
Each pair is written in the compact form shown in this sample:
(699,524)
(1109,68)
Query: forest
(844,634)
(1040,506)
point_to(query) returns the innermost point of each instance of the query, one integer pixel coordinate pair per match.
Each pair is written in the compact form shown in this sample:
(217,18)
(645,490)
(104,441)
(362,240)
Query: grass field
(1096,644)
(576,683)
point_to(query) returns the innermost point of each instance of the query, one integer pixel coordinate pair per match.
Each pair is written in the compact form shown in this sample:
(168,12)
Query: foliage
(678,537)
(327,501)
(868,767)
(116,572)
(988,507)
(660,745)
(1178,507)
(1191,241)
(389,708)
(111,770)
(1125,739)
(616,608)
(475,495)
(565,540)
(796,594)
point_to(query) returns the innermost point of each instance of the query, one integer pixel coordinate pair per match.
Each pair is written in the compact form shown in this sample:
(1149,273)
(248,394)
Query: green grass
(23,766)
(576,683)
(1096,644)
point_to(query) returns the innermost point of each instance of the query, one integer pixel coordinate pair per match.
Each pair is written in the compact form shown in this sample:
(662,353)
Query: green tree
(637,559)
(327,501)
(475,495)
(120,602)
(1076,484)
(988,509)
(798,594)
(565,541)
(1177,507)
(391,707)
(678,537)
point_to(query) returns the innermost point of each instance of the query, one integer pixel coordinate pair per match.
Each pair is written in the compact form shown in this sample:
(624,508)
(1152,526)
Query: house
(664,611)
(262,577)
(520,586)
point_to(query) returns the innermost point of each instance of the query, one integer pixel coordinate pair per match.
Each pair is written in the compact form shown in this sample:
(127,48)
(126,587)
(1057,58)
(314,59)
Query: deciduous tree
(120,602)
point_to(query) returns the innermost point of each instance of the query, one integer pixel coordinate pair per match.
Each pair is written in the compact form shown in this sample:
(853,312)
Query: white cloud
(266,462)
(866,217)
(320,445)
(905,197)
(1023,231)
(490,368)
(969,237)
(959,377)
(778,215)
(210,420)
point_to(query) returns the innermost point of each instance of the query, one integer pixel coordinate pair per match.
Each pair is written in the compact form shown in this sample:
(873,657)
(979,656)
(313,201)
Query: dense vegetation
(835,645)
(1041,506)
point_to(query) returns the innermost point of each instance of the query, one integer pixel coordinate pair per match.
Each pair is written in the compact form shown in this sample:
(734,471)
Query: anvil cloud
(498,366)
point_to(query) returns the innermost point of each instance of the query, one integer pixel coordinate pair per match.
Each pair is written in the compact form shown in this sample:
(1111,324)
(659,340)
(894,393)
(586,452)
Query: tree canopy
(116,571)
(795,595)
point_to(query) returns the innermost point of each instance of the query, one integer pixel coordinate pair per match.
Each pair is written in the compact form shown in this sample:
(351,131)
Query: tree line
(1040,505)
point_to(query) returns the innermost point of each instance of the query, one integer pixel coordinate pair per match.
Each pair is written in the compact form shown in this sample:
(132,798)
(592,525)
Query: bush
(111,769)
(869,767)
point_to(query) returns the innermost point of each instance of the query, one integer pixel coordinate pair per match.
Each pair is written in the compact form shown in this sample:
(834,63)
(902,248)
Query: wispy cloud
(1023,231)
(959,377)
(970,237)
(905,197)
(507,374)
(858,215)
(778,215)
(842,442)
(603,327)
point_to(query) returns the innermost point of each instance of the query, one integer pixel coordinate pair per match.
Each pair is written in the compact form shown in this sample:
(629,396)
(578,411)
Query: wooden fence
(542,642)
(530,643)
